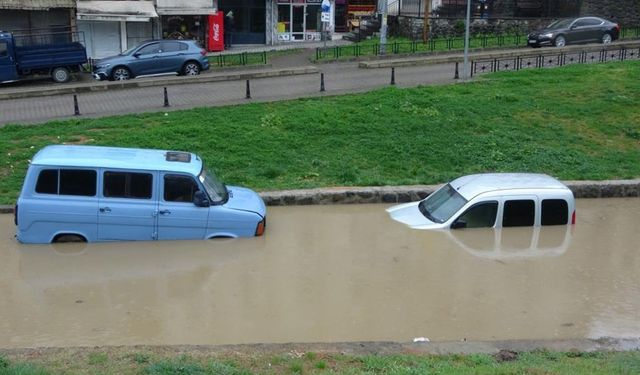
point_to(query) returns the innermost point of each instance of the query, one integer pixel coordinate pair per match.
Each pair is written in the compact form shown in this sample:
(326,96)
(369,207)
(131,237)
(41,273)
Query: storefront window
(284,18)
(184,27)
(299,20)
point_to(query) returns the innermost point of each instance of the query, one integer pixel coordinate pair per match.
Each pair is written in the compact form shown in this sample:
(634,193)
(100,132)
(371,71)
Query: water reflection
(330,273)
(514,243)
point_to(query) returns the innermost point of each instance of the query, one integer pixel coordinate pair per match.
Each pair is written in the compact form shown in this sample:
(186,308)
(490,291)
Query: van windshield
(441,205)
(216,190)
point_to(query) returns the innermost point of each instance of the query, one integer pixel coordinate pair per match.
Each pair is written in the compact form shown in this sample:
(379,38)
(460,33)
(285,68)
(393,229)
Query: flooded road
(331,274)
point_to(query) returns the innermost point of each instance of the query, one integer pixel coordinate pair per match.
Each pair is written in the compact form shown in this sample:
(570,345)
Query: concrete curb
(400,194)
(365,348)
(488,55)
(203,78)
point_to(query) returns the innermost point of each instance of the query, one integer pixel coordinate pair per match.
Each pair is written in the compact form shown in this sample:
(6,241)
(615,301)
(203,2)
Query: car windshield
(560,24)
(128,52)
(216,190)
(441,205)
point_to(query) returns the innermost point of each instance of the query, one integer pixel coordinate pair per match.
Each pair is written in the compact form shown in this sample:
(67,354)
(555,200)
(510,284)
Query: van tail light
(260,227)
(203,52)
(15,216)
(573,217)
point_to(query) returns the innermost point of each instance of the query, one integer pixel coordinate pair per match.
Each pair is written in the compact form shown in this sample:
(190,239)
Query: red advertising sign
(215,35)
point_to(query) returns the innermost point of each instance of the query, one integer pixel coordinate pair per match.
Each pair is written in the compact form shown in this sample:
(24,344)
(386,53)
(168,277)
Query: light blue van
(90,193)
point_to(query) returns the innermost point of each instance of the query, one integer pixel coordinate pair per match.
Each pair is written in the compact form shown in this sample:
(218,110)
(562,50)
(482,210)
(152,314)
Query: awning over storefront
(133,11)
(186,7)
(36,4)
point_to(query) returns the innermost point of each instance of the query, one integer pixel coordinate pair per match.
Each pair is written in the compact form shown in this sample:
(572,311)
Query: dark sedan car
(153,57)
(575,30)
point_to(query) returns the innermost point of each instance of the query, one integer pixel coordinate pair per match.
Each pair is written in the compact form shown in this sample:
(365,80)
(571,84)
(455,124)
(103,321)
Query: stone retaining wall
(400,194)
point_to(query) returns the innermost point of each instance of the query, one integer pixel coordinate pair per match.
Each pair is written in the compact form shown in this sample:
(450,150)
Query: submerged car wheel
(120,74)
(191,68)
(69,238)
(560,41)
(606,38)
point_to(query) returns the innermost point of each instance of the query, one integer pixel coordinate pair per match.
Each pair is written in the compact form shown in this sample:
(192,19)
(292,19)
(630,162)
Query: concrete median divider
(84,87)
(400,194)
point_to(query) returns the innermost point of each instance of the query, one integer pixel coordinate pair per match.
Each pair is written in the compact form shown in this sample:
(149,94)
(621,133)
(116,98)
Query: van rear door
(128,204)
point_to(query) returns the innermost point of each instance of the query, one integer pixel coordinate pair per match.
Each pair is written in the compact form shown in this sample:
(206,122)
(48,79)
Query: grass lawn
(575,122)
(124,361)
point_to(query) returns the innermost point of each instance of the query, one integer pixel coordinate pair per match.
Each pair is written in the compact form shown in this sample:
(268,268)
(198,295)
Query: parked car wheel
(606,38)
(560,41)
(120,73)
(191,68)
(60,74)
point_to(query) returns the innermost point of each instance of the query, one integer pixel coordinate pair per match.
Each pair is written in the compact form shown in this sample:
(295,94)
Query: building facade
(33,16)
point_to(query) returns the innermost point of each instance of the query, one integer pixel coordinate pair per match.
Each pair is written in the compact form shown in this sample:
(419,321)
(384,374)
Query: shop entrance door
(297,22)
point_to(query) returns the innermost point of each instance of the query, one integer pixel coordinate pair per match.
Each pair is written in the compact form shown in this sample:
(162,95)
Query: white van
(491,200)
(90,193)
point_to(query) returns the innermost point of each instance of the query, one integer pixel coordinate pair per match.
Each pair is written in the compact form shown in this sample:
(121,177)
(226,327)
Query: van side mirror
(200,199)
(459,224)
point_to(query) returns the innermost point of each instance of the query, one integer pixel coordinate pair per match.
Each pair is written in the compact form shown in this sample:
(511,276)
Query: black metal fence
(553,59)
(239,59)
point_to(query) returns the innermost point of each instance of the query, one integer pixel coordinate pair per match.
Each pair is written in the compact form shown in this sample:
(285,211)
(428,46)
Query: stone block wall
(625,12)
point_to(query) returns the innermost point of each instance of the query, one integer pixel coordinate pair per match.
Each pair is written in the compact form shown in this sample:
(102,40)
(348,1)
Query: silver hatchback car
(153,57)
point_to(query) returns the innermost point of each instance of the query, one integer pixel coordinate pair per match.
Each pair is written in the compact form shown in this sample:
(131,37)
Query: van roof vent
(183,157)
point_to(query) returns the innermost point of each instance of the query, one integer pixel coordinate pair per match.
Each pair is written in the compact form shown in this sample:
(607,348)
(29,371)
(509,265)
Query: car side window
(67,182)
(4,50)
(179,188)
(592,22)
(580,23)
(554,212)
(150,49)
(519,213)
(170,46)
(127,185)
(184,46)
(481,215)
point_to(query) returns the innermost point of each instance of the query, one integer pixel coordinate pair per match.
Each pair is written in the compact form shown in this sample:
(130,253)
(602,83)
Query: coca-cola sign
(216,32)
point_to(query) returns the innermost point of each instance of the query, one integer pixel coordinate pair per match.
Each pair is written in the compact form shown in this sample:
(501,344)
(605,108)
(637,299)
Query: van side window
(3,49)
(77,182)
(127,185)
(519,213)
(179,188)
(554,212)
(72,182)
(47,182)
(482,215)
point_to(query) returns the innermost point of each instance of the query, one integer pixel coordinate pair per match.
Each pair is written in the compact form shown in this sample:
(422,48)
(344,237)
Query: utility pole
(427,14)
(465,65)
(382,9)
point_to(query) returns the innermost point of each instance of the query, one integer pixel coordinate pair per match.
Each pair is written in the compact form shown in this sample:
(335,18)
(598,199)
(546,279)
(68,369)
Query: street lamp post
(465,65)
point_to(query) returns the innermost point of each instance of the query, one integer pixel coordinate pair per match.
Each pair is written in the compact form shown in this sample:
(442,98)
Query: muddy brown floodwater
(331,274)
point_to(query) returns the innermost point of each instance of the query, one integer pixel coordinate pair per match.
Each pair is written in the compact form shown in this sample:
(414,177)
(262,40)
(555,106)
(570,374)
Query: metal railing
(438,44)
(554,59)
(239,59)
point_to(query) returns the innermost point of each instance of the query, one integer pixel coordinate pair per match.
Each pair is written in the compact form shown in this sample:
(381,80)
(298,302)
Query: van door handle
(164,212)
(105,209)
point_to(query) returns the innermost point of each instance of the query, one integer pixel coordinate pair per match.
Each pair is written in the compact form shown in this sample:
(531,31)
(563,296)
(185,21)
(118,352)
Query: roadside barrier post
(248,91)
(76,109)
(166,98)
(321,82)
(457,74)
(393,76)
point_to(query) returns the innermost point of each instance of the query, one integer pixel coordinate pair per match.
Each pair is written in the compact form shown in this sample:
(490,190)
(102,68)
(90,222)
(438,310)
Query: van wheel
(69,238)
(60,74)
